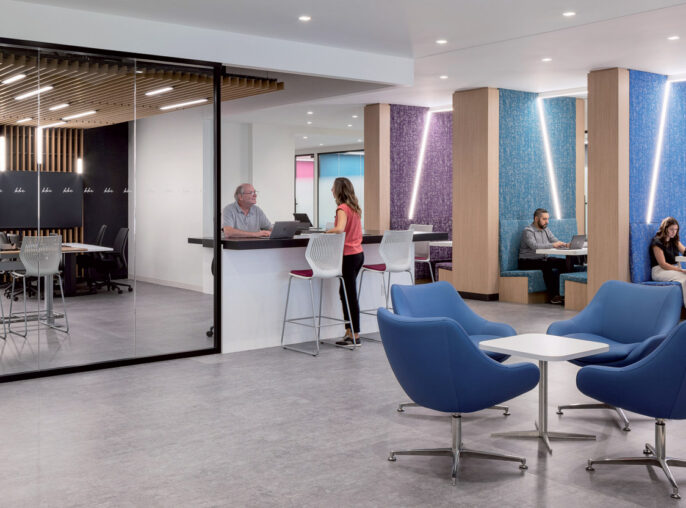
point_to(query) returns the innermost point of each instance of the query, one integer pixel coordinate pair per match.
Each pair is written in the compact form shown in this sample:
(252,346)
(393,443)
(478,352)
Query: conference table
(69,271)
(544,348)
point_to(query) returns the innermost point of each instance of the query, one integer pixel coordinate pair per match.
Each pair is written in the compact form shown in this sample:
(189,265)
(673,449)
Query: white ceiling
(496,43)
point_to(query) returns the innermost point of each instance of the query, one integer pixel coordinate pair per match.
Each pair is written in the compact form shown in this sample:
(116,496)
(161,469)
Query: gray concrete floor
(278,428)
(106,326)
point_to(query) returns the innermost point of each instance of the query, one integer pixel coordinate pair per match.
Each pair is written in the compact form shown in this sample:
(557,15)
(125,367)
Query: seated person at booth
(664,248)
(243,217)
(537,236)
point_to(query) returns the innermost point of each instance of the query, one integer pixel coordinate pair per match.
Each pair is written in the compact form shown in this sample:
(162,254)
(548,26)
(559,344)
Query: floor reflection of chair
(40,257)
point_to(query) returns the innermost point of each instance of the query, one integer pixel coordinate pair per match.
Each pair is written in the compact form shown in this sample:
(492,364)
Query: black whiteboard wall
(61,200)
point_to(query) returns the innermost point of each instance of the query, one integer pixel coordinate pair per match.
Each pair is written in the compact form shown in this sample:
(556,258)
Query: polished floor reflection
(102,326)
(275,428)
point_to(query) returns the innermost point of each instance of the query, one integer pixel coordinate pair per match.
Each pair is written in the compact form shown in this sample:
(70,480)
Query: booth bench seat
(640,236)
(573,286)
(525,286)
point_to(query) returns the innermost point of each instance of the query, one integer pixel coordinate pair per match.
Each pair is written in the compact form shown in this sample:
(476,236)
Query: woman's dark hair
(344,194)
(662,231)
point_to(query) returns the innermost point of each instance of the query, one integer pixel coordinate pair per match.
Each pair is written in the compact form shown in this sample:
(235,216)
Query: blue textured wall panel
(524,182)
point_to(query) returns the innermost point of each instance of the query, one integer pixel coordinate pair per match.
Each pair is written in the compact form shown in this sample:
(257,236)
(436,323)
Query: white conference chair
(324,254)
(40,256)
(422,250)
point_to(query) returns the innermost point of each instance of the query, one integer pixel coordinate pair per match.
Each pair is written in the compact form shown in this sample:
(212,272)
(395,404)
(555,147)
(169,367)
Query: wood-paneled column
(377,167)
(475,192)
(608,177)
(580,165)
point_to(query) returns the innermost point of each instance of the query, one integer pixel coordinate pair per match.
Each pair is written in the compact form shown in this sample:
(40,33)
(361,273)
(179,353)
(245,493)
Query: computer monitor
(303,218)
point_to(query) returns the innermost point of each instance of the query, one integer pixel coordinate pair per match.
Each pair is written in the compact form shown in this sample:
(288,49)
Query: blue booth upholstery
(440,299)
(510,238)
(440,368)
(633,319)
(640,236)
(580,277)
(655,386)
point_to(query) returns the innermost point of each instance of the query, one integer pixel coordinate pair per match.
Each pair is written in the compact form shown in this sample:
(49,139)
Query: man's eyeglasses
(254,193)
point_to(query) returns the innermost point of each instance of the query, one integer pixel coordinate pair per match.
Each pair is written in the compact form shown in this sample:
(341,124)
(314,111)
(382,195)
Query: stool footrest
(338,321)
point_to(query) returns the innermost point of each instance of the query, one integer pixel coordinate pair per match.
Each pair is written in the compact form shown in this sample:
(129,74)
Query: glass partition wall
(108,165)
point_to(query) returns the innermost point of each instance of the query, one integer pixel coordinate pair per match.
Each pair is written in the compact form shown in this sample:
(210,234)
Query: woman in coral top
(348,221)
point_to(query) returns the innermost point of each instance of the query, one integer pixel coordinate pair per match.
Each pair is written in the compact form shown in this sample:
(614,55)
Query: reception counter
(255,281)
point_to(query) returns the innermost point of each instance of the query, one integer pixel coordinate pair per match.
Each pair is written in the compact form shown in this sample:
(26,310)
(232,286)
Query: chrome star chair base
(457,451)
(653,456)
(401,408)
(626,426)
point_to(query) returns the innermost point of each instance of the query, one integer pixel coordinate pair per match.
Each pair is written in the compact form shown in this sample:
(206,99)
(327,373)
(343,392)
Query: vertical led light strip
(3,155)
(548,158)
(420,164)
(658,153)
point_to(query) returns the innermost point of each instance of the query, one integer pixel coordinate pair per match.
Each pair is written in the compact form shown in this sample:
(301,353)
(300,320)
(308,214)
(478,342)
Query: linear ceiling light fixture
(548,158)
(567,92)
(14,79)
(420,164)
(3,155)
(32,93)
(79,115)
(183,104)
(57,107)
(24,120)
(658,153)
(159,91)
(79,166)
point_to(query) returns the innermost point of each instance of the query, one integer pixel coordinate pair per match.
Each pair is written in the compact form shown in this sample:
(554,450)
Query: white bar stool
(397,254)
(324,254)
(422,250)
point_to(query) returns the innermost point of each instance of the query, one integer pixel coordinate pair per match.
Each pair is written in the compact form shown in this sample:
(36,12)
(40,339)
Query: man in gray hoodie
(537,236)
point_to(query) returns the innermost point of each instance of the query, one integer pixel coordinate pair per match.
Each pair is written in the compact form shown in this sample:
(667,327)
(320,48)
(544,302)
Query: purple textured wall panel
(435,195)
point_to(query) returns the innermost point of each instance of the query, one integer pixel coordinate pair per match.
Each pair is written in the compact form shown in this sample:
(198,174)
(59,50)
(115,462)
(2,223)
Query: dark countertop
(265,243)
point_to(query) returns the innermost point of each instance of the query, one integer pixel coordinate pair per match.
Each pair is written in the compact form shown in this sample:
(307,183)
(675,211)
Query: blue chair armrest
(499,329)
(576,324)
(644,349)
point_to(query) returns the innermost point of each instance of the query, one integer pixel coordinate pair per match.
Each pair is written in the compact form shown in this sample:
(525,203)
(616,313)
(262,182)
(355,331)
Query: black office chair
(88,261)
(111,262)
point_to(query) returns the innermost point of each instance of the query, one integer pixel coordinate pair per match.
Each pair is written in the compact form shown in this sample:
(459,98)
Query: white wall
(173,182)
(168,207)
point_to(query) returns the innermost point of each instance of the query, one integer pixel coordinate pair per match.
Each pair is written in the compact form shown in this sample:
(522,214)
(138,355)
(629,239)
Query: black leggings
(352,265)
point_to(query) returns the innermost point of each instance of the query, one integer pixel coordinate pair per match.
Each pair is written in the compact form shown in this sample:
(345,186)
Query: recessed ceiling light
(139,72)
(23,120)
(304,137)
(310,112)
(159,91)
(546,59)
(305,18)
(14,79)
(309,123)
(57,107)
(79,115)
(32,93)
(321,144)
(350,125)
(56,124)
(441,41)
(183,104)
(354,116)
(359,141)
(569,14)
(670,38)
(443,77)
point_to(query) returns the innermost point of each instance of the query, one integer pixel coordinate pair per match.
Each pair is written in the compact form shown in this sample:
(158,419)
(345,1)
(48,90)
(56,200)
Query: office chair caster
(130,289)
(210,332)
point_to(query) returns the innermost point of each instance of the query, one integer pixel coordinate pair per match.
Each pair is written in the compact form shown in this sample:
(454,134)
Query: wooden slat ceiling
(108,88)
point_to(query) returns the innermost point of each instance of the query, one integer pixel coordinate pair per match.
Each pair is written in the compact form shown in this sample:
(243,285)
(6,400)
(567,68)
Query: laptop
(576,243)
(303,219)
(284,230)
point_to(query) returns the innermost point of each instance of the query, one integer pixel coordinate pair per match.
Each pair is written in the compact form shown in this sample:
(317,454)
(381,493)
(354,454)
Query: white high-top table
(544,348)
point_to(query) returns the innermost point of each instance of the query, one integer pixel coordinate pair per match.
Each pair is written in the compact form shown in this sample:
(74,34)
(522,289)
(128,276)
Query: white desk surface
(88,247)
(441,243)
(563,252)
(540,346)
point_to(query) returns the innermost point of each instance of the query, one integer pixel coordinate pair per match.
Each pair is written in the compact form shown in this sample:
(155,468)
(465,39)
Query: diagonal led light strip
(658,153)
(548,158)
(420,164)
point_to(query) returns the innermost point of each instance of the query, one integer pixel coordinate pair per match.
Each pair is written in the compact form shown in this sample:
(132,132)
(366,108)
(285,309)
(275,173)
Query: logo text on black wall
(46,190)
(19,190)
(108,190)
(88,190)
(67,190)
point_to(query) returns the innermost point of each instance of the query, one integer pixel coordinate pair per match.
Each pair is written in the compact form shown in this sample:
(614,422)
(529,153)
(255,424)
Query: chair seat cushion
(661,283)
(421,258)
(498,357)
(302,273)
(536,282)
(618,350)
(377,268)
